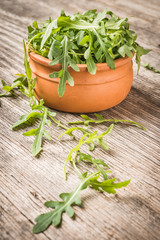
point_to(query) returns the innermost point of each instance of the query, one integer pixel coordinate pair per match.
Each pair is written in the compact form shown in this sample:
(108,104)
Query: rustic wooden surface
(134,213)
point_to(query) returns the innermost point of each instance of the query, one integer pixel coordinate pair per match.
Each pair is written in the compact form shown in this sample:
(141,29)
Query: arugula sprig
(147,66)
(19,84)
(100,119)
(54,217)
(98,163)
(100,141)
(64,74)
(87,138)
(38,112)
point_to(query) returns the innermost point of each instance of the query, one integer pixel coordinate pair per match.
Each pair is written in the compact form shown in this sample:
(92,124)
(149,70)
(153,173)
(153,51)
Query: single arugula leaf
(95,162)
(100,120)
(100,16)
(37,144)
(26,117)
(55,50)
(8,88)
(35,24)
(66,22)
(107,185)
(63,74)
(39,132)
(109,60)
(48,32)
(125,50)
(147,66)
(26,63)
(100,141)
(55,216)
(18,84)
(114,24)
(139,52)
(91,66)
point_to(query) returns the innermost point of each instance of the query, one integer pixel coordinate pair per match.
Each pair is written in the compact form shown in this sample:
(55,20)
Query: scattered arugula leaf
(139,52)
(147,66)
(19,84)
(87,120)
(38,112)
(54,217)
(95,162)
(87,138)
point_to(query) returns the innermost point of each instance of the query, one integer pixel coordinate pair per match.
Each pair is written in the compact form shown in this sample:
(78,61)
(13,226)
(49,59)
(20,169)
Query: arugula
(38,112)
(64,74)
(87,38)
(139,52)
(87,120)
(96,162)
(87,138)
(99,141)
(70,40)
(54,217)
(19,84)
(147,66)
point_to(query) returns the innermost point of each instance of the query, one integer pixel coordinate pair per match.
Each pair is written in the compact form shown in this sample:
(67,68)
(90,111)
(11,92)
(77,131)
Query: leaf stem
(75,167)
(59,124)
(107,120)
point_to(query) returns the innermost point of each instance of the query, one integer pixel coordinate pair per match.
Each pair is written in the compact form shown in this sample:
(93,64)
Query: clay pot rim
(100,66)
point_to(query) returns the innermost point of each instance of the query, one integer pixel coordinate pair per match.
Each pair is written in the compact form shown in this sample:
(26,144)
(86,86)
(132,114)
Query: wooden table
(27,182)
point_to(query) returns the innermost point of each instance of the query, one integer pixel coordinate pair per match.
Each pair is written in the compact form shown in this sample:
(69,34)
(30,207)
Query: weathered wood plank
(27,182)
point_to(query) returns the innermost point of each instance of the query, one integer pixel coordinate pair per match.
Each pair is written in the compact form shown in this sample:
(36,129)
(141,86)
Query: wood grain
(27,182)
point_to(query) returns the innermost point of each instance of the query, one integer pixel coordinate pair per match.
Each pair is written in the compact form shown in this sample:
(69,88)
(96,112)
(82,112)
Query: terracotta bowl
(91,93)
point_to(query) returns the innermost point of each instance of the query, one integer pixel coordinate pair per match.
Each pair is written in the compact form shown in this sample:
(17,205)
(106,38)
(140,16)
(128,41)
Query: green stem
(75,167)
(59,124)
(108,120)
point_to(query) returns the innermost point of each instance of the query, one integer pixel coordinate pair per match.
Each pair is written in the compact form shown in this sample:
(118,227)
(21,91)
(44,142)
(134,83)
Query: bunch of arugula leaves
(88,38)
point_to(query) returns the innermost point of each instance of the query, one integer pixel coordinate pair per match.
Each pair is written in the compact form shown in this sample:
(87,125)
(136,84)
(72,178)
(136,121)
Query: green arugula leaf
(66,22)
(18,84)
(100,16)
(100,120)
(107,185)
(109,60)
(95,162)
(36,146)
(147,66)
(114,24)
(63,74)
(48,32)
(39,132)
(125,50)
(26,117)
(55,216)
(26,62)
(139,52)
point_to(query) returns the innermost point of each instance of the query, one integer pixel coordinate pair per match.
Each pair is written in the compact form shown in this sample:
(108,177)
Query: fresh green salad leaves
(88,38)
